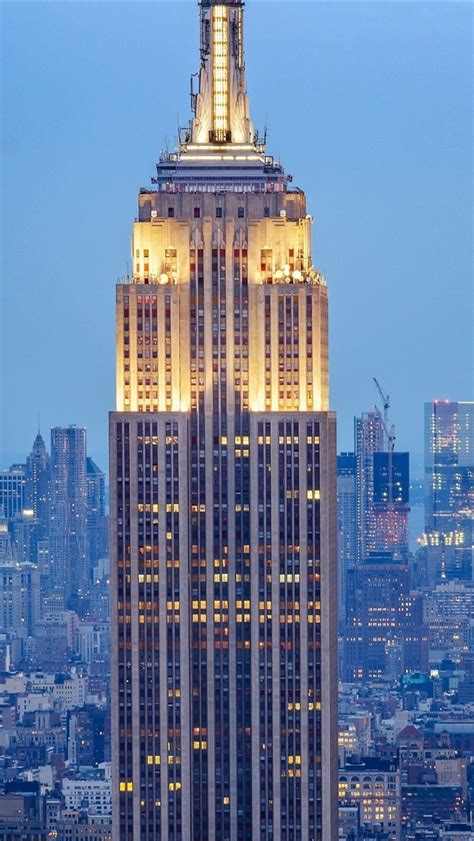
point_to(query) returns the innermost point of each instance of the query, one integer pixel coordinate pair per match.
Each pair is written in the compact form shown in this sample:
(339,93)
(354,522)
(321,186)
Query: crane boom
(391,437)
(384,398)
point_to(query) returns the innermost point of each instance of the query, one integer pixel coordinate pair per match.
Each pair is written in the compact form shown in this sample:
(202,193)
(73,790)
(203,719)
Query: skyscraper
(346,522)
(68,524)
(37,484)
(97,522)
(449,488)
(19,592)
(383,484)
(391,501)
(368,439)
(12,491)
(223,498)
(378,591)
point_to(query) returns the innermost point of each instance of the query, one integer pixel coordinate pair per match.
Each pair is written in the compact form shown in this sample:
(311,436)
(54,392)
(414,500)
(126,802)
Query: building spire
(221,111)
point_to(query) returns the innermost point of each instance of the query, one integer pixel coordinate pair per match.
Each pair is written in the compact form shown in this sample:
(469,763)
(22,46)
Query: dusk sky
(367,104)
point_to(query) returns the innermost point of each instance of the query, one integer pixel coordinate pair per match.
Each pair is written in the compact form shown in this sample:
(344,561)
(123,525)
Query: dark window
(170,212)
(218,212)
(240,212)
(197,212)
(266,211)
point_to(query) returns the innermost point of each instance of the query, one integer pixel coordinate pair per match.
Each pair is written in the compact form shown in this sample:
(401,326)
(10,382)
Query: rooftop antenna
(193,94)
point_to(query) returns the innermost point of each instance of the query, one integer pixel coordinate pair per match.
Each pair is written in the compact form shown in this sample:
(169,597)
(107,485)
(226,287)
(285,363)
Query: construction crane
(390,436)
(384,398)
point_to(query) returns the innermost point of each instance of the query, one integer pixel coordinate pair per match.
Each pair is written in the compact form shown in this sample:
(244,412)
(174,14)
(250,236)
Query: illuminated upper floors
(268,345)
(223,300)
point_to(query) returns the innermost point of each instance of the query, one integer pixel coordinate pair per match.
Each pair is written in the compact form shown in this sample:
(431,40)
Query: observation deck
(219,168)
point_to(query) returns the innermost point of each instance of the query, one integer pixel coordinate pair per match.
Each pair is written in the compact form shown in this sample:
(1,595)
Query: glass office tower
(449,489)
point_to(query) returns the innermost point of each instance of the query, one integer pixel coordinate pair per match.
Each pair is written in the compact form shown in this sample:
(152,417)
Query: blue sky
(367,104)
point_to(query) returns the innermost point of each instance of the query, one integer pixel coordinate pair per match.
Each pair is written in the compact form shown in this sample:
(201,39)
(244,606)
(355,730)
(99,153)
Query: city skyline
(253,618)
(86,257)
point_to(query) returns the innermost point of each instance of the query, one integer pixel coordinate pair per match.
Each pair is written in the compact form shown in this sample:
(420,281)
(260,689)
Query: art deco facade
(223,501)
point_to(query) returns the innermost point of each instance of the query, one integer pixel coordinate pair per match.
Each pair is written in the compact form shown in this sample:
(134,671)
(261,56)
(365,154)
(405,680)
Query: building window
(266,211)
(197,212)
(171,213)
(240,212)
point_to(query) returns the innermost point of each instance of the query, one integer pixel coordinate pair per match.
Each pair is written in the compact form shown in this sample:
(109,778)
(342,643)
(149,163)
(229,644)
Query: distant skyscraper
(449,488)
(6,544)
(382,500)
(377,594)
(368,439)
(12,490)
(347,534)
(37,475)
(391,501)
(25,530)
(19,590)
(97,521)
(68,525)
(223,492)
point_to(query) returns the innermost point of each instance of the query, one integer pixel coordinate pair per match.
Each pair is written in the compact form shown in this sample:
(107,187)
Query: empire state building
(223,501)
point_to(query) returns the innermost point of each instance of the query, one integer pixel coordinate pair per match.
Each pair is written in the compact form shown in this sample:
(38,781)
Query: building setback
(223,492)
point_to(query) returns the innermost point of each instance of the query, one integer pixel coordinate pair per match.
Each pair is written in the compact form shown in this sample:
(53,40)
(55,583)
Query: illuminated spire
(221,111)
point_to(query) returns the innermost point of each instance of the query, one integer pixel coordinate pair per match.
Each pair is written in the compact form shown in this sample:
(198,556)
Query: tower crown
(219,150)
(221,112)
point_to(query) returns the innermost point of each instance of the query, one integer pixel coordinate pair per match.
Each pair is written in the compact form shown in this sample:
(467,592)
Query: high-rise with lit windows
(448,540)
(223,492)
(368,440)
(382,482)
(37,485)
